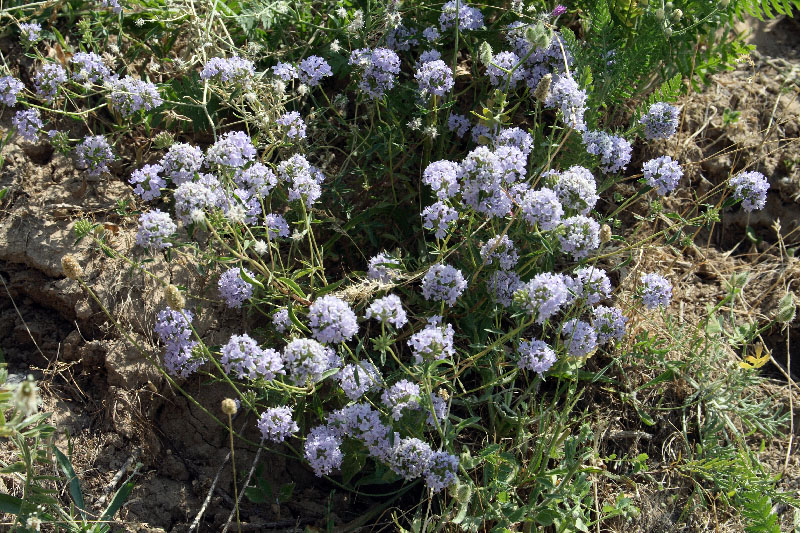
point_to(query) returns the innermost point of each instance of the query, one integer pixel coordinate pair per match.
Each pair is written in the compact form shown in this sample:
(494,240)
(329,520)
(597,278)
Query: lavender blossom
(383,268)
(47,80)
(502,62)
(614,151)
(409,457)
(243,357)
(312,69)
(544,295)
(431,33)
(438,217)
(322,450)
(440,472)
(469,18)
(751,188)
(581,236)
(517,138)
(154,227)
(276,226)
(567,96)
(129,95)
(593,284)
(181,162)
(281,320)
(434,77)
(401,38)
(292,125)
(232,69)
(89,68)
(306,359)
(148,182)
(402,396)
(576,189)
(113,4)
(192,197)
(655,291)
(10,87)
(234,149)
(428,56)
(174,330)
(94,154)
(442,177)
(660,121)
(579,337)
(27,123)
(30,32)
(285,71)
(379,68)
(304,178)
(609,323)
(257,178)
(443,283)
(662,174)
(432,342)
(500,249)
(331,320)
(536,356)
(276,424)
(233,289)
(388,310)
(363,423)
(501,286)
(459,124)
(369,379)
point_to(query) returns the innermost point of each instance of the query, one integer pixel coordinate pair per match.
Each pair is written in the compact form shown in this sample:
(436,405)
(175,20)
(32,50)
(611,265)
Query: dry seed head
(229,407)
(174,297)
(72,269)
(605,233)
(543,87)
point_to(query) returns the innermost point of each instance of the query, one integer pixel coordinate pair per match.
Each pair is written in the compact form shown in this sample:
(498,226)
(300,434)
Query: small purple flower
(434,77)
(459,124)
(192,197)
(113,4)
(500,249)
(581,236)
(292,125)
(331,320)
(440,472)
(403,395)
(243,357)
(154,227)
(388,310)
(543,295)
(27,123)
(383,268)
(536,356)
(30,32)
(323,450)
(579,337)
(234,149)
(89,68)
(312,69)
(500,64)
(276,226)
(542,208)
(257,178)
(428,56)
(148,182)
(48,79)
(751,188)
(438,217)
(576,189)
(94,154)
(469,18)
(369,379)
(363,423)
(558,11)
(276,424)
(442,177)
(443,283)
(306,359)
(285,71)
(432,342)
(174,330)
(656,291)
(181,162)
(609,322)
(517,138)
(231,69)
(401,38)
(614,151)
(567,96)
(660,121)
(10,87)
(593,284)
(501,286)
(233,289)
(281,320)
(129,95)
(431,33)
(305,178)
(379,68)
(662,174)
(409,457)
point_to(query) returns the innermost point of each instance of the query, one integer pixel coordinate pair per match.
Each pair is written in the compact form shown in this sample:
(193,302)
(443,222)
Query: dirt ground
(117,410)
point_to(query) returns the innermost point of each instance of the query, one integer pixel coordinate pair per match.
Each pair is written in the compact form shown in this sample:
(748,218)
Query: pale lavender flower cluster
(550,59)
(469,18)
(536,356)
(363,423)
(383,268)
(233,149)
(228,69)
(292,125)
(581,235)
(542,208)
(660,121)
(281,320)
(409,457)
(500,250)
(30,32)
(442,177)
(498,70)
(401,38)
(592,284)
(312,69)
(662,174)
(576,188)
(433,342)
(276,424)
(434,77)
(570,99)
(751,188)
(459,124)
(306,359)
(501,285)
(27,123)
(94,154)
(305,178)
(173,328)
(276,226)
(379,68)
(427,56)
(481,134)
(192,197)
(285,71)
(431,33)
(332,320)
(10,87)
(443,283)
(368,379)
(113,4)
(243,357)
(579,337)
(257,178)
(181,162)
(89,68)
(441,471)
(129,95)
(48,79)
(656,291)
(388,310)
(609,323)
(148,182)
(485,174)
(438,217)
(543,295)
(323,450)
(403,395)
(614,151)
(154,227)
(233,289)
(517,138)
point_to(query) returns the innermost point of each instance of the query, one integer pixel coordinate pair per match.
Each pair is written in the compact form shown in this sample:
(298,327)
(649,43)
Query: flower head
(356,379)
(536,356)
(129,95)
(614,151)
(567,96)
(433,342)
(379,68)
(323,451)
(434,77)
(751,188)
(94,154)
(662,174)
(292,125)
(387,310)
(609,323)
(181,162)
(233,289)
(383,268)
(276,423)
(581,236)
(543,295)
(580,338)
(30,32)
(656,291)
(174,330)
(660,121)
(576,189)
(243,357)
(306,359)
(27,123)
(89,68)
(148,182)
(443,283)
(542,208)
(47,80)
(331,320)
(154,227)
(231,69)
(437,217)
(312,69)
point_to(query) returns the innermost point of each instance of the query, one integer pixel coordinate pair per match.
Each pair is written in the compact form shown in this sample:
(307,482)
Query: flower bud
(72,269)
(485,53)
(787,309)
(605,233)
(660,14)
(676,15)
(668,32)
(543,87)
(174,297)
(229,407)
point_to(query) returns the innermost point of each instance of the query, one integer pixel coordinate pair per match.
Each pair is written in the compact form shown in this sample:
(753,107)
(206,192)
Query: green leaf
(294,286)
(72,480)
(19,466)
(10,504)
(119,498)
